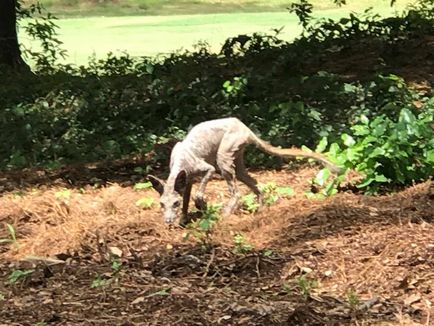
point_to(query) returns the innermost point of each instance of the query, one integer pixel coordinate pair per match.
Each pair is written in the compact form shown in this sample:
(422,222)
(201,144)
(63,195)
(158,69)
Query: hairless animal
(215,146)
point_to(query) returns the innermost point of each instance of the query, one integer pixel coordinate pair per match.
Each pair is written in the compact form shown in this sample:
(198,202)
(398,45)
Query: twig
(257,267)
(209,263)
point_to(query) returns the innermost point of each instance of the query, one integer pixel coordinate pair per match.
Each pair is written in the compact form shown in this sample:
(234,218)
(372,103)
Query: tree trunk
(10,53)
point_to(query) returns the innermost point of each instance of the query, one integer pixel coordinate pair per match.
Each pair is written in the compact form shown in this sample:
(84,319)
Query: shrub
(389,152)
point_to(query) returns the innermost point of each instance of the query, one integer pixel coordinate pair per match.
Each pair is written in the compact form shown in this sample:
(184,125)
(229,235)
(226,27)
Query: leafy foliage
(12,234)
(387,151)
(41,27)
(271,193)
(202,227)
(122,106)
(241,246)
(145,202)
(19,275)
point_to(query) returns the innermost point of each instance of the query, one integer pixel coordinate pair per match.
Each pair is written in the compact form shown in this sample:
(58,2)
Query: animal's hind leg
(228,151)
(247,179)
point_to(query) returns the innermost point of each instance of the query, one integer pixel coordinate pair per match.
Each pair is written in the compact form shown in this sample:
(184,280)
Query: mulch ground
(345,260)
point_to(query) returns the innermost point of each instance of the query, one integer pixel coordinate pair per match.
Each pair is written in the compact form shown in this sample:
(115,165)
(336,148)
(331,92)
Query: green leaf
(378,151)
(360,130)
(285,191)
(12,232)
(334,150)
(381,178)
(322,145)
(364,119)
(379,130)
(145,202)
(348,140)
(352,154)
(407,116)
(143,185)
(205,224)
(430,156)
(163,292)
(306,149)
(366,182)
(18,274)
(322,176)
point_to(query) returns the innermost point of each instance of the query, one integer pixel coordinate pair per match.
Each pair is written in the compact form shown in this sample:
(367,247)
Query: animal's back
(205,138)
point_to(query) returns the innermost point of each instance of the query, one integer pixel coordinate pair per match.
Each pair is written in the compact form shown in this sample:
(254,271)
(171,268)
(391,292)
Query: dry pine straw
(372,245)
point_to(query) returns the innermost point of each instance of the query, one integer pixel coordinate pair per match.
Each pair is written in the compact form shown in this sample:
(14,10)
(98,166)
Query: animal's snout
(169,218)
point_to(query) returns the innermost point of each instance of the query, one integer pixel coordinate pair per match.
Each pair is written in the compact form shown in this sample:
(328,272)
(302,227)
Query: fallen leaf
(328,273)
(225,317)
(412,299)
(115,251)
(306,270)
(138,300)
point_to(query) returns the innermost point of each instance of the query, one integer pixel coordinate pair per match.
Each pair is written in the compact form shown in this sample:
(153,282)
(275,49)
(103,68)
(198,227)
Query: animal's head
(171,195)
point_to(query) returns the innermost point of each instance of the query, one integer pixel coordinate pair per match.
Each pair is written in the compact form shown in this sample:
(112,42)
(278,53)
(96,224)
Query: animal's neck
(183,160)
(180,163)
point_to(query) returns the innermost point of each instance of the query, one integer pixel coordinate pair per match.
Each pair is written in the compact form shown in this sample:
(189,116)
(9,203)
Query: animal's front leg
(209,170)
(185,201)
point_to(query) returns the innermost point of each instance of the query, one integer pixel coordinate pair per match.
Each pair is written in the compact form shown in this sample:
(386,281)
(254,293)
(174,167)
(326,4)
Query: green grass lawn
(171,7)
(152,35)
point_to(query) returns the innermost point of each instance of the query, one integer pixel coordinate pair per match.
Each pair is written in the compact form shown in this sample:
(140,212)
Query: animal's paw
(261,203)
(200,203)
(190,217)
(229,209)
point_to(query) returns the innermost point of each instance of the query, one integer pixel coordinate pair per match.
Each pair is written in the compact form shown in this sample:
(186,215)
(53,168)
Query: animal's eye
(176,204)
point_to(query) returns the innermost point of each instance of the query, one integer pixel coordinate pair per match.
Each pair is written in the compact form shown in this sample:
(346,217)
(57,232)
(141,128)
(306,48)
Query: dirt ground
(91,256)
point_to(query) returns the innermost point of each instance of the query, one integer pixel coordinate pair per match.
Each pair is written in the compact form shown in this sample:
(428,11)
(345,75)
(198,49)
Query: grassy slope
(151,35)
(165,7)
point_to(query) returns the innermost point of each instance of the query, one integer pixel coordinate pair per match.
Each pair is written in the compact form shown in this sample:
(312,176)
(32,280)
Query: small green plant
(241,246)
(268,253)
(210,216)
(271,194)
(19,275)
(269,191)
(301,285)
(328,187)
(163,292)
(287,288)
(2,297)
(116,265)
(250,202)
(201,228)
(42,323)
(234,87)
(12,234)
(305,285)
(285,191)
(352,298)
(63,194)
(145,202)
(142,185)
(99,281)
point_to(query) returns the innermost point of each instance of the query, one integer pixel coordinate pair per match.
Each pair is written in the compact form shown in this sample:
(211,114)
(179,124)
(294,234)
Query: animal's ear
(181,181)
(157,183)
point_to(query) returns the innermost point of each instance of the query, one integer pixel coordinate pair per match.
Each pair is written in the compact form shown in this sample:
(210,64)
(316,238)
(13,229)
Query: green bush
(121,106)
(389,152)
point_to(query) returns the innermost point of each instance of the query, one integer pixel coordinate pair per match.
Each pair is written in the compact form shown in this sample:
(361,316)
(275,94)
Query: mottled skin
(214,146)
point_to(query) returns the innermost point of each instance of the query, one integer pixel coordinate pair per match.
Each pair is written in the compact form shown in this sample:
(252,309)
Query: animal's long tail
(292,152)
